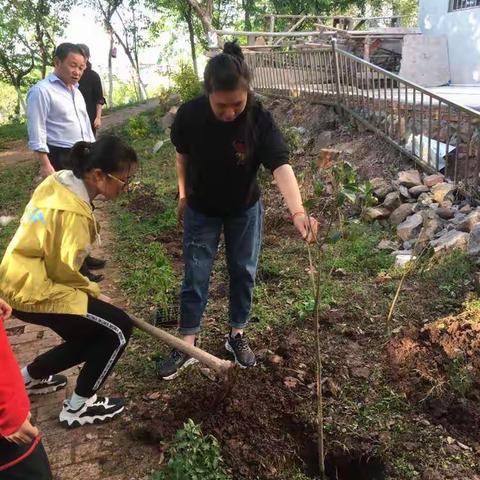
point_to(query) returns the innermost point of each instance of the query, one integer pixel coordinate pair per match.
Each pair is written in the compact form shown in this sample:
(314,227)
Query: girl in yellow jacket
(40,278)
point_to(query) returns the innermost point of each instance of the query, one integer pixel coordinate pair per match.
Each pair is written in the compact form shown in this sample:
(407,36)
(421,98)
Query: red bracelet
(298,213)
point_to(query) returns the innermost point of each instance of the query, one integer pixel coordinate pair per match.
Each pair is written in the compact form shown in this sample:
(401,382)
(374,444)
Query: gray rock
(173,99)
(376,213)
(409,178)
(410,228)
(445,213)
(425,198)
(404,192)
(387,245)
(474,241)
(402,252)
(324,139)
(467,224)
(5,220)
(432,180)
(401,259)
(401,213)
(167,120)
(392,201)
(431,225)
(465,209)
(458,219)
(417,190)
(441,191)
(451,240)
(381,188)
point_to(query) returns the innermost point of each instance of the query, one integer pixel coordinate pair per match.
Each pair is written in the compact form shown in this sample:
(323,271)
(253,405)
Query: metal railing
(438,134)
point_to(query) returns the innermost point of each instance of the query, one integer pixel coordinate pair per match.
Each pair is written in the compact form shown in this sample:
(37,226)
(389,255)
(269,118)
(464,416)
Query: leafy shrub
(193,456)
(460,376)
(292,137)
(137,127)
(186,82)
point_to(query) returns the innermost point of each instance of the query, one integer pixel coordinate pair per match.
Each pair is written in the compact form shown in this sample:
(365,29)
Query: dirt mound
(144,202)
(439,367)
(255,415)
(368,152)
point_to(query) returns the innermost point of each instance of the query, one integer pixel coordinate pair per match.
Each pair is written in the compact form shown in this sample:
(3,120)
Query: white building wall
(462,29)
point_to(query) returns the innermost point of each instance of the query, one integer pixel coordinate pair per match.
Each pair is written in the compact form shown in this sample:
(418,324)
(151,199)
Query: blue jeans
(243,234)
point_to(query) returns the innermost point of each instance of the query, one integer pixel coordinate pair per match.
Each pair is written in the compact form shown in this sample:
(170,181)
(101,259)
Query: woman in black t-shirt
(221,139)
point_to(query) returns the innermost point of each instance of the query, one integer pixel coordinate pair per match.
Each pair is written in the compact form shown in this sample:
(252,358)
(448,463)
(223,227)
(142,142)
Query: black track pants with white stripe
(97,340)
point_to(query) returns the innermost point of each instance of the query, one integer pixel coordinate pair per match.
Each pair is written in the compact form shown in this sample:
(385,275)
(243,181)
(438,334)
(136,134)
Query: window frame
(453,5)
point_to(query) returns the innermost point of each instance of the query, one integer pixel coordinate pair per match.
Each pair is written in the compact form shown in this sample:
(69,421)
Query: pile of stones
(427,211)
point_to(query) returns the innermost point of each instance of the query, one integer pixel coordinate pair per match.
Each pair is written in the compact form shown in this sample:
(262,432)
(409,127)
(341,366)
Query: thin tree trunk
(136,70)
(110,75)
(191,33)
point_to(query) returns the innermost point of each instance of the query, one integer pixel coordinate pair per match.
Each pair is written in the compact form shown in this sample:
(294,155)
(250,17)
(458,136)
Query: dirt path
(105,452)
(18,152)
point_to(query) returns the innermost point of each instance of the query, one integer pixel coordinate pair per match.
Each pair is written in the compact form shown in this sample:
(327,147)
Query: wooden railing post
(337,71)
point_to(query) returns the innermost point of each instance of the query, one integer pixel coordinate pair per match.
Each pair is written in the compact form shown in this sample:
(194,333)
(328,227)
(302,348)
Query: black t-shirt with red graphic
(220,176)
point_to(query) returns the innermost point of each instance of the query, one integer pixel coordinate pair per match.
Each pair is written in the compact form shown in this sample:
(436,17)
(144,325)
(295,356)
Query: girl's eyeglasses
(124,183)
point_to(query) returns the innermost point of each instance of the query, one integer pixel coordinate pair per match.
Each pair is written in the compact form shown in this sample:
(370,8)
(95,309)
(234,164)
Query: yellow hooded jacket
(40,270)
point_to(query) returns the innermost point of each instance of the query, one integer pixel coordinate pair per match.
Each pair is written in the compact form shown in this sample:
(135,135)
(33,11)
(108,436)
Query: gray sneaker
(169,368)
(240,349)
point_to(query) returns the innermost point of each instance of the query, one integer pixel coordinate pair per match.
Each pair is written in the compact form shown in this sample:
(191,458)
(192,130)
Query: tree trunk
(21,100)
(135,67)
(205,16)
(191,33)
(110,75)
(248,23)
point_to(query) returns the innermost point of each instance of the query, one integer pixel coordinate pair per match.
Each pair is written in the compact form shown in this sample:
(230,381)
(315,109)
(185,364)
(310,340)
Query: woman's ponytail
(79,158)
(109,153)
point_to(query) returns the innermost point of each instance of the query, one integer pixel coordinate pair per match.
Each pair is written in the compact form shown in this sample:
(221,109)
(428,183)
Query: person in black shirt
(90,85)
(221,140)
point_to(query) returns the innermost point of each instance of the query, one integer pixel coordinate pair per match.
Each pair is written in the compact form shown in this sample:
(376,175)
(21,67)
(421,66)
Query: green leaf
(319,188)
(309,204)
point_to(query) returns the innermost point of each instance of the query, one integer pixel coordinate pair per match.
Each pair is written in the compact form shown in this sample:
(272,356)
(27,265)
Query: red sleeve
(14,403)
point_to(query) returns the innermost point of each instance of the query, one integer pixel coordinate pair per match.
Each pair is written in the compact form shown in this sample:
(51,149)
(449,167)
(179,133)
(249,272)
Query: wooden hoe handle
(220,366)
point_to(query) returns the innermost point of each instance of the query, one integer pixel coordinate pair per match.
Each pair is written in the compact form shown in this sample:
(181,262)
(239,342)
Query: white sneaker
(94,410)
(46,385)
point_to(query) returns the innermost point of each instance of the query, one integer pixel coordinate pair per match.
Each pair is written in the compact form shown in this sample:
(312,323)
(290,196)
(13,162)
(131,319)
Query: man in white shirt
(56,112)
(57,118)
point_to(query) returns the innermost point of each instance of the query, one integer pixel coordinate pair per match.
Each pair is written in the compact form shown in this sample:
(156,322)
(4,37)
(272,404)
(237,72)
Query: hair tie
(86,151)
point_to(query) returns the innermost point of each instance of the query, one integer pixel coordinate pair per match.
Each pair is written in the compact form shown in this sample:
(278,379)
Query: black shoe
(243,354)
(171,366)
(166,316)
(93,277)
(46,385)
(95,263)
(94,410)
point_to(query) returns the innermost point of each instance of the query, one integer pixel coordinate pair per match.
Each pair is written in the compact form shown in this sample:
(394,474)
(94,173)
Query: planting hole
(354,467)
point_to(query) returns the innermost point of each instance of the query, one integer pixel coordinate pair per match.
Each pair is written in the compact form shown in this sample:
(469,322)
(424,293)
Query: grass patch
(15,190)
(459,376)
(116,108)
(355,251)
(141,217)
(9,132)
